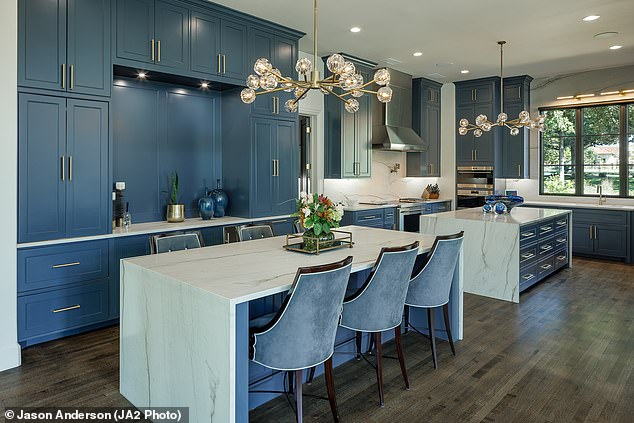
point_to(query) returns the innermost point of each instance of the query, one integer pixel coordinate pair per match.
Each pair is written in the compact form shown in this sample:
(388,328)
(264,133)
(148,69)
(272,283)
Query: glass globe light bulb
(347,82)
(357,93)
(268,81)
(288,85)
(486,126)
(352,106)
(262,66)
(290,106)
(303,66)
(502,117)
(348,68)
(462,130)
(481,119)
(541,127)
(358,80)
(477,133)
(253,82)
(464,123)
(247,95)
(514,131)
(524,116)
(276,71)
(382,77)
(384,94)
(335,63)
(299,92)
(541,119)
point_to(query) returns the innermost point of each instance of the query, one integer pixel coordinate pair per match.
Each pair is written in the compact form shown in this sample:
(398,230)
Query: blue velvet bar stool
(431,285)
(378,305)
(250,232)
(302,333)
(165,243)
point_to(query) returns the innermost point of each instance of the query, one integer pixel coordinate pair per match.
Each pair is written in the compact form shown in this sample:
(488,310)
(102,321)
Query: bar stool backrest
(248,233)
(175,242)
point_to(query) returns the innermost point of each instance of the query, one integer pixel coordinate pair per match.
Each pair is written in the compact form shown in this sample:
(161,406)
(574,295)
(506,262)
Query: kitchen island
(185,318)
(506,254)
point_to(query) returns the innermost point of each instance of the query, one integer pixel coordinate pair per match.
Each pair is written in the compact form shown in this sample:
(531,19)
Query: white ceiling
(544,37)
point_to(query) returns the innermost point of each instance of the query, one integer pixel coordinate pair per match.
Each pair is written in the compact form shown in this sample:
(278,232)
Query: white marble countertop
(243,271)
(625,207)
(517,216)
(158,227)
(391,203)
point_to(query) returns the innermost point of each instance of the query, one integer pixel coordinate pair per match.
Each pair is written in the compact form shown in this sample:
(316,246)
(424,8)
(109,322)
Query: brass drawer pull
(279,221)
(63,76)
(72,76)
(158,48)
(369,217)
(546,247)
(561,240)
(70,168)
(545,229)
(561,258)
(224,64)
(527,234)
(527,277)
(63,162)
(561,223)
(61,310)
(59,266)
(528,256)
(546,266)
(152,48)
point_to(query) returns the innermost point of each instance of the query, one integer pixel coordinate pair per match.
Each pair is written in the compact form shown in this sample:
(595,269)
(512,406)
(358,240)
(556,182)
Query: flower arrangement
(318,214)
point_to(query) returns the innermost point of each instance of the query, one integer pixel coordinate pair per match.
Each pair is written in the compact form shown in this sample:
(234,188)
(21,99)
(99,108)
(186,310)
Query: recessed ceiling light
(204,85)
(591,18)
(142,75)
(418,53)
(464,71)
(355,29)
(605,35)
(615,47)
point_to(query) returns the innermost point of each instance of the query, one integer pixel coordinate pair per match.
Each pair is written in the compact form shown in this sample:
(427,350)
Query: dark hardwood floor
(565,354)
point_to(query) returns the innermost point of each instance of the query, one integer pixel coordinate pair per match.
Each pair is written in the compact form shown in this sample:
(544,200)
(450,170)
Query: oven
(473,184)
(409,217)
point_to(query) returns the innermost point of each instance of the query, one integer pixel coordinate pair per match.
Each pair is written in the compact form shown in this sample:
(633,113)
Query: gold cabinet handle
(59,266)
(219,60)
(158,48)
(596,235)
(63,76)
(152,48)
(224,64)
(546,266)
(527,277)
(70,168)
(61,310)
(519,170)
(71,68)
(591,232)
(546,247)
(62,160)
(369,217)
(528,256)
(545,229)
(476,150)
(560,258)
(279,221)
(561,240)
(561,223)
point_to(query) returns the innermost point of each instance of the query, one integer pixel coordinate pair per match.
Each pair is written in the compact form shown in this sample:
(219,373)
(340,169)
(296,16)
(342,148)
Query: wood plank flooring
(565,354)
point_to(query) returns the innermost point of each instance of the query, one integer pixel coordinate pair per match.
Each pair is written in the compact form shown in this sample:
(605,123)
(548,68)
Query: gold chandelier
(483,124)
(344,79)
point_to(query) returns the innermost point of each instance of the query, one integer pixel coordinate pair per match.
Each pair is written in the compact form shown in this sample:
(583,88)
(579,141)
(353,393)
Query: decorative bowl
(501,204)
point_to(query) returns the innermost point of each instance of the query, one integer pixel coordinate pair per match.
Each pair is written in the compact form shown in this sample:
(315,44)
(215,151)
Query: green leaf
(326,228)
(317,228)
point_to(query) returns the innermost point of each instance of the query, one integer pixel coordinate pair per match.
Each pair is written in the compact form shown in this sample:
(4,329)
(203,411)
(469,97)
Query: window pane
(559,179)
(601,120)
(631,181)
(559,151)
(605,176)
(630,113)
(559,123)
(601,150)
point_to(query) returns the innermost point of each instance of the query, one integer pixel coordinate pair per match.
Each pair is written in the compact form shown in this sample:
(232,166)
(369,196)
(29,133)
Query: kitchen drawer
(62,309)
(440,207)
(561,259)
(528,234)
(372,218)
(605,217)
(389,216)
(546,247)
(45,267)
(560,239)
(561,223)
(528,277)
(528,255)
(546,228)
(545,267)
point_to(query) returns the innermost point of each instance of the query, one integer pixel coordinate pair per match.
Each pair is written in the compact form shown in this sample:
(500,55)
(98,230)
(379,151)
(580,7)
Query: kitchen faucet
(601,197)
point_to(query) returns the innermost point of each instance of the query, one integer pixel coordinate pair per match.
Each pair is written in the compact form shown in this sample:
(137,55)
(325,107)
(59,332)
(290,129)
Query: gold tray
(342,239)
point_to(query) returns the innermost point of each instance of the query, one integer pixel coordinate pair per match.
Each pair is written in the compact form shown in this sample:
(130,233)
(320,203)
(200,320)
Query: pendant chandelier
(344,83)
(483,124)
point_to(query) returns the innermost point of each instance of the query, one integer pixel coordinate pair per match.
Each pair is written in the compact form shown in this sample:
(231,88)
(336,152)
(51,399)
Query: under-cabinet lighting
(584,95)
(142,75)
(610,93)
(204,85)
(627,91)
(566,97)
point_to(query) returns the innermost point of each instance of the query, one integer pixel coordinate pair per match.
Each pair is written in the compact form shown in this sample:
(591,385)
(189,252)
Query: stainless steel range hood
(392,122)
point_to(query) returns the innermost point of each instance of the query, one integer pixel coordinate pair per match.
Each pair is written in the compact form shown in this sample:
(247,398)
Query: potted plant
(318,215)
(175,211)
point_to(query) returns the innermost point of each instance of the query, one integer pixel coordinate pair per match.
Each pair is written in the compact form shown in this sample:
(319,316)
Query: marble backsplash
(383,185)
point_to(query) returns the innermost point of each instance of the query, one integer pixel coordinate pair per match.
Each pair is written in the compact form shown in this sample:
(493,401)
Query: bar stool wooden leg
(406,313)
(311,375)
(330,386)
(445,310)
(379,366)
(401,358)
(432,337)
(298,395)
(358,336)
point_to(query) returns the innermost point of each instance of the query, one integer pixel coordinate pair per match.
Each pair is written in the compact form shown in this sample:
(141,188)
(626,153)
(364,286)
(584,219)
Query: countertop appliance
(473,184)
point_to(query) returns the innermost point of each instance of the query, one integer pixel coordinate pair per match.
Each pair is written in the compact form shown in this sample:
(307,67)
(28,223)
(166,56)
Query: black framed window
(587,147)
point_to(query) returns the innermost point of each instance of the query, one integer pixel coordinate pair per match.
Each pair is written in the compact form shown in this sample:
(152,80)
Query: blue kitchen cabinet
(135,30)
(171,32)
(283,226)
(287,156)
(205,43)
(381,218)
(64,45)
(233,47)
(426,123)
(512,153)
(63,185)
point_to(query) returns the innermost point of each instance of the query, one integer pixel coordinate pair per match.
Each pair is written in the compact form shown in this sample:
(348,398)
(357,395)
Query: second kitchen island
(506,254)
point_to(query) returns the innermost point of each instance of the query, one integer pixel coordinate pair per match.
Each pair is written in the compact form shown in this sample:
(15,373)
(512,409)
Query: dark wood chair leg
(445,311)
(311,375)
(432,337)
(298,395)
(379,366)
(406,313)
(401,357)
(371,345)
(359,345)
(291,378)
(330,386)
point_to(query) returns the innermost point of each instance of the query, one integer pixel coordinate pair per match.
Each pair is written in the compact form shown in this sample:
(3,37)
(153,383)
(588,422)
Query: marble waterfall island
(505,254)
(185,318)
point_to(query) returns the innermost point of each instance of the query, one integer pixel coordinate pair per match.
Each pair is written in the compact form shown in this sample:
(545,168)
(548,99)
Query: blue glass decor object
(221,200)
(487,208)
(206,206)
(500,208)
(502,203)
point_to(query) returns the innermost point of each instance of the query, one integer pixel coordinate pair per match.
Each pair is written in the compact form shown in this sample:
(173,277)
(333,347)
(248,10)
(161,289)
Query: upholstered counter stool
(250,232)
(302,333)
(165,243)
(378,305)
(430,286)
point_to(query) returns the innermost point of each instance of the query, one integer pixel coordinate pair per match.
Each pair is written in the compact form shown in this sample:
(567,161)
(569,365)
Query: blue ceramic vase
(221,200)
(206,206)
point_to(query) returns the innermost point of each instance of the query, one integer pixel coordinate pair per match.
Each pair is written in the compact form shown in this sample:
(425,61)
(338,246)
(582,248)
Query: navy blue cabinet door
(135,30)
(263,168)
(262,44)
(610,241)
(235,58)
(582,242)
(513,149)
(363,128)
(88,52)
(41,167)
(88,191)
(42,44)
(205,44)
(287,168)
(483,145)
(172,35)
(464,143)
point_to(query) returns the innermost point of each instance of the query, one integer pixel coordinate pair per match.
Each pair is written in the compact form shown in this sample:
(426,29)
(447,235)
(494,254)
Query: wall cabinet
(348,136)
(63,187)
(512,151)
(472,99)
(64,45)
(153,31)
(426,123)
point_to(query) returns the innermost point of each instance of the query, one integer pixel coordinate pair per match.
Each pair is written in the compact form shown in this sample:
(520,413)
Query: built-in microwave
(473,184)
